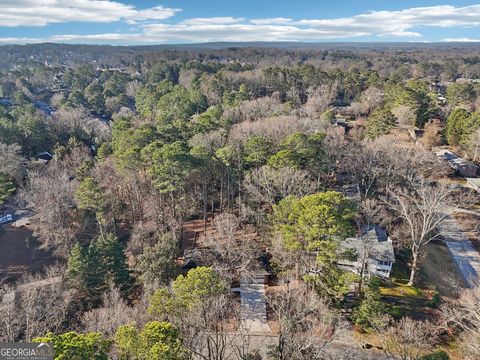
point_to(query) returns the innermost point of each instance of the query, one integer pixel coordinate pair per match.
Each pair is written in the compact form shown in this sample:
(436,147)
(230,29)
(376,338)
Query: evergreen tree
(461,93)
(107,263)
(77,268)
(380,123)
(316,223)
(156,341)
(75,346)
(187,292)
(457,124)
(370,313)
(257,150)
(6,188)
(157,263)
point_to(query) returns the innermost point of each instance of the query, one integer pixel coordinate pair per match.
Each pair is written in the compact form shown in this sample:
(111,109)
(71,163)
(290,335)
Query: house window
(384,263)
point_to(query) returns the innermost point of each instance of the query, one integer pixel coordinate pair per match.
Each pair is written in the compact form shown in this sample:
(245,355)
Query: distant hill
(66,54)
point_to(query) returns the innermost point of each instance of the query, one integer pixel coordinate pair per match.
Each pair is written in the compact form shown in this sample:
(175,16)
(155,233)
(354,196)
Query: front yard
(438,279)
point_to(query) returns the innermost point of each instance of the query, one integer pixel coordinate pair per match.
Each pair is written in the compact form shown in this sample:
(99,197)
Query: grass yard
(438,273)
(402,299)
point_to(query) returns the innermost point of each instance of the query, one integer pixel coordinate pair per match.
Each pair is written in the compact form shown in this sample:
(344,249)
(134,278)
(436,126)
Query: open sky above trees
(189,21)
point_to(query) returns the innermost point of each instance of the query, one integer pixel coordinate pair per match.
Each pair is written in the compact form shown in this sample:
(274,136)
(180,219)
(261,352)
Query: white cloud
(44,12)
(213,20)
(463,39)
(397,23)
(406,24)
(19,40)
(277,20)
(240,32)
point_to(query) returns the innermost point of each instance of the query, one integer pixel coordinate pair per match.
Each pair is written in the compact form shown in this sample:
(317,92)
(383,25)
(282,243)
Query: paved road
(253,309)
(462,250)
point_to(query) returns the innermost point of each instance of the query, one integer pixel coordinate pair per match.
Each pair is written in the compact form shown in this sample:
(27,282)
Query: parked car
(5,219)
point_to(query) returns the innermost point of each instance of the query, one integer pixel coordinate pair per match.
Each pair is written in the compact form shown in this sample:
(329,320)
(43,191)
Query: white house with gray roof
(370,253)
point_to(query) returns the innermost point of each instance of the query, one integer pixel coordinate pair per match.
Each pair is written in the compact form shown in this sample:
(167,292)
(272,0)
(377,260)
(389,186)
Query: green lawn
(402,299)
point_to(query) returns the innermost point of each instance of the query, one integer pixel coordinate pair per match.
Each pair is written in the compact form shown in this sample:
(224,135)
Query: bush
(435,301)
(439,355)
(370,313)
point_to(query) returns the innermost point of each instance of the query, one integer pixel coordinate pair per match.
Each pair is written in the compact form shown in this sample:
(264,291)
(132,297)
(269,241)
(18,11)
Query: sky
(129,22)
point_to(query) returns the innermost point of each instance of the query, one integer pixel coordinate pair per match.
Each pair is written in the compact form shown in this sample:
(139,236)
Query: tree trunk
(205,204)
(221,192)
(228,191)
(413,269)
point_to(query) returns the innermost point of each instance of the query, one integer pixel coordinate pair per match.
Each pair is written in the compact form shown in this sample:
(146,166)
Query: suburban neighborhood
(240,187)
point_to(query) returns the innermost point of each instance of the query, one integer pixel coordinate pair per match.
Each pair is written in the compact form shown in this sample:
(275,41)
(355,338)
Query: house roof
(463,162)
(447,155)
(45,155)
(374,242)
(474,181)
(455,160)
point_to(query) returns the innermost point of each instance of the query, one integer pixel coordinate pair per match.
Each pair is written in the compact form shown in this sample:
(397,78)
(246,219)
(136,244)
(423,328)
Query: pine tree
(108,263)
(6,188)
(77,269)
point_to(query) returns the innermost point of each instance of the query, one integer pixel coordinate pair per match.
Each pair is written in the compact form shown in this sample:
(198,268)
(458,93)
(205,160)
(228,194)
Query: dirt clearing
(17,257)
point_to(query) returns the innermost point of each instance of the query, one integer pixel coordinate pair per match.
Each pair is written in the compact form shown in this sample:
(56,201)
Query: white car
(5,219)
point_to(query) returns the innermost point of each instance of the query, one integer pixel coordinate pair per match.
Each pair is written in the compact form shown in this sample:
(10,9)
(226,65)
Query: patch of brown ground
(270,290)
(194,233)
(17,257)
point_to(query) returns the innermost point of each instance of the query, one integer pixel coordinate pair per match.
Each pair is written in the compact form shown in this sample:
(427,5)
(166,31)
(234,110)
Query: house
(462,166)
(465,168)
(6,102)
(370,253)
(43,157)
(474,183)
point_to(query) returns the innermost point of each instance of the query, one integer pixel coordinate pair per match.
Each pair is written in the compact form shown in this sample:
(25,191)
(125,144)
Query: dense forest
(158,183)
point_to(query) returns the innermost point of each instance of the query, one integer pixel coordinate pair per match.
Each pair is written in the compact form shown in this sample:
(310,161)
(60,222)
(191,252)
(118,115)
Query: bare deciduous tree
(114,313)
(408,339)
(405,115)
(275,128)
(369,100)
(37,305)
(473,145)
(464,316)
(50,193)
(253,110)
(432,135)
(132,87)
(388,162)
(319,100)
(11,161)
(307,325)
(77,122)
(267,185)
(422,206)
(233,251)
(207,328)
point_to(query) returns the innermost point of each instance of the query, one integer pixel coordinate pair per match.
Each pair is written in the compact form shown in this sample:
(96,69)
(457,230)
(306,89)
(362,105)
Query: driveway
(253,309)
(462,250)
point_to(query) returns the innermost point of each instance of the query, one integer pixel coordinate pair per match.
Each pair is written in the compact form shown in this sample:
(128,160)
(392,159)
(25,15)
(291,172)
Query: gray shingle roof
(373,241)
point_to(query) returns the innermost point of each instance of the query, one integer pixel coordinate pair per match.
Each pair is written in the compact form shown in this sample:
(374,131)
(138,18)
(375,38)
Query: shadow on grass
(401,299)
